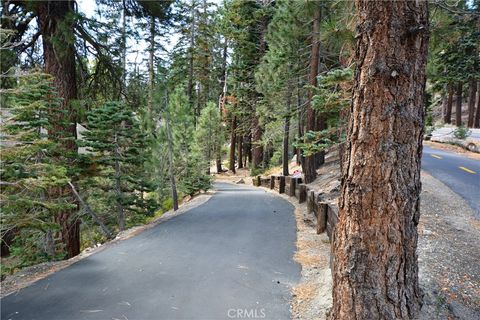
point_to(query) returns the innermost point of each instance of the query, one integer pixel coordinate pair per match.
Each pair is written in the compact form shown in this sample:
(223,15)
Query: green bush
(461,133)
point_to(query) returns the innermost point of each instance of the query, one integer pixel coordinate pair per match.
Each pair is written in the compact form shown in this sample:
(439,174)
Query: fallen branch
(95,217)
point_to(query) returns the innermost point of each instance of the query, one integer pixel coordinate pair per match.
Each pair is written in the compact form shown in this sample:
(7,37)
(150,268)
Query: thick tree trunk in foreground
(59,58)
(471,102)
(458,105)
(375,272)
(308,163)
(233,137)
(448,108)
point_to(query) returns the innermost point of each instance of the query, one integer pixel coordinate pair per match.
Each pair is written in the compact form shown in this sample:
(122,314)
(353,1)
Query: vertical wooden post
(281,188)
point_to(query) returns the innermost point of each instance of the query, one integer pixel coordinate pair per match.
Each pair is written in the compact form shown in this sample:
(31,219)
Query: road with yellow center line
(459,173)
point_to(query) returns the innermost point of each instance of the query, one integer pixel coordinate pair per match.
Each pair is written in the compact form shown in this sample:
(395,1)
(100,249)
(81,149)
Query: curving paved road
(231,257)
(458,172)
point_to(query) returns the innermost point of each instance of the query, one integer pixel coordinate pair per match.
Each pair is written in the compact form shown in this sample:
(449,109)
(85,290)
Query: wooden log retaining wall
(325,213)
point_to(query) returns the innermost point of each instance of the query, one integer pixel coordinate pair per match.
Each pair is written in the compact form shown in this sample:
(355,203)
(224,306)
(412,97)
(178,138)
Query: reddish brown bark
(375,273)
(286,134)
(476,122)
(257,148)
(233,138)
(240,151)
(448,108)
(56,28)
(308,163)
(471,102)
(458,105)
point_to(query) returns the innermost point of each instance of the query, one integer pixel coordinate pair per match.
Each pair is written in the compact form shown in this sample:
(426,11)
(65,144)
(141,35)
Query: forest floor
(25,277)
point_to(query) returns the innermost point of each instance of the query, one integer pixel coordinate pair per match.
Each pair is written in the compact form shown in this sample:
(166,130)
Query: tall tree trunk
(476,122)
(171,169)
(191,49)
(458,105)
(300,122)
(218,161)
(222,99)
(59,58)
(231,159)
(249,155)
(375,274)
(151,67)
(124,48)
(205,71)
(286,134)
(257,130)
(448,109)
(257,148)
(308,163)
(320,125)
(471,102)
(240,151)
(118,188)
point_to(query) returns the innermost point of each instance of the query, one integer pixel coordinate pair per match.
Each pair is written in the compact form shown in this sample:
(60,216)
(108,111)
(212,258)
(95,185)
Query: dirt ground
(453,148)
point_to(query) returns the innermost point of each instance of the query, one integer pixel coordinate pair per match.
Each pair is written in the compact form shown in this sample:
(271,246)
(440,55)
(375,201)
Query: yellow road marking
(435,156)
(466,169)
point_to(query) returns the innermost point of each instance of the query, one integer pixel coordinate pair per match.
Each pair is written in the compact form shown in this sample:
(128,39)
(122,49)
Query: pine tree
(117,145)
(209,135)
(33,169)
(190,169)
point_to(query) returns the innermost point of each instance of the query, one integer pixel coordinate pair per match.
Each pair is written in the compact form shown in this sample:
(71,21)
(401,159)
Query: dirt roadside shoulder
(453,148)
